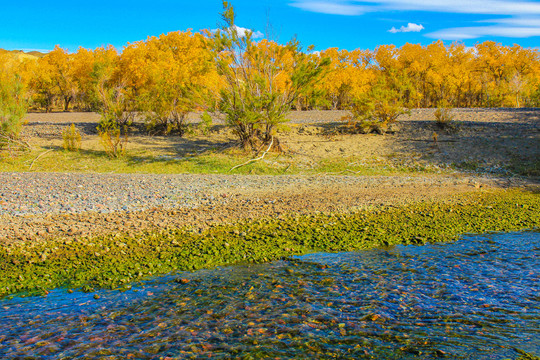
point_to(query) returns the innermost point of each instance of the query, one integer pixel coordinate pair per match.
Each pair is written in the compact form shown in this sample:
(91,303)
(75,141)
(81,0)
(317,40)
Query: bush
(164,123)
(444,119)
(376,110)
(72,138)
(205,124)
(117,114)
(113,141)
(444,116)
(262,80)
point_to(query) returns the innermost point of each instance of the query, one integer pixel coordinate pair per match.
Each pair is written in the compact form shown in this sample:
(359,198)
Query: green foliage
(262,80)
(116,108)
(206,123)
(523,355)
(117,113)
(112,139)
(165,117)
(72,138)
(380,107)
(13,107)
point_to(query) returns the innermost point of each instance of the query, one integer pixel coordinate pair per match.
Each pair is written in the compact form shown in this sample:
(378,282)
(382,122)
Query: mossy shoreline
(115,261)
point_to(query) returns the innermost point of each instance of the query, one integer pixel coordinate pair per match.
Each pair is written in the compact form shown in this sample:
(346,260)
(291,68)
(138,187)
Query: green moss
(117,260)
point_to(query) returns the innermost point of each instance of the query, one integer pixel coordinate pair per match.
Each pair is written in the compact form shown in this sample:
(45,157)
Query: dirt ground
(496,141)
(487,140)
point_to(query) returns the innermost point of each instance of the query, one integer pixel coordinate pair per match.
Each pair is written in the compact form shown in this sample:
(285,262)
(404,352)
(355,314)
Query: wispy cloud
(332,7)
(495,7)
(411,27)
(512,27)
(358,7)
(522,18)
(473,32)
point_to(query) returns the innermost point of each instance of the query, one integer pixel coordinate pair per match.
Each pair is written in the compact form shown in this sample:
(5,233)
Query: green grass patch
(114,261)
(93,161)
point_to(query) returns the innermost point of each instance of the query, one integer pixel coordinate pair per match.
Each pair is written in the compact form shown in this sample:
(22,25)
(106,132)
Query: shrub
(13,107)
(444,116)
(117,114)
(376,110)
(171,123)
(72,138)
(113,141)
(205,124)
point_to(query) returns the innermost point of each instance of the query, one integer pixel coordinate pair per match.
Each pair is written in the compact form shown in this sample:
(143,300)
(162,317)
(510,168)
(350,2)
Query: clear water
(478,298)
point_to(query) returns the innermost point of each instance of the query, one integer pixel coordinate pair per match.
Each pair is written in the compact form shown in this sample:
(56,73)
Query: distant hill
(36,53)
(21,55)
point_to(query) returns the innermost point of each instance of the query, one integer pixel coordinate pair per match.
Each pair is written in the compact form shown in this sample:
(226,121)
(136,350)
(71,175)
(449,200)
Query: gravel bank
(37,206)
(57,193)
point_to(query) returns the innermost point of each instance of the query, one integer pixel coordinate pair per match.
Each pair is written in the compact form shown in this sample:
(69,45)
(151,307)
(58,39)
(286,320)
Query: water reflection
(476,298)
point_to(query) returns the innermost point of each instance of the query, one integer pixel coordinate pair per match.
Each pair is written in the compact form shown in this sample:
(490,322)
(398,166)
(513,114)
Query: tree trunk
(67,100)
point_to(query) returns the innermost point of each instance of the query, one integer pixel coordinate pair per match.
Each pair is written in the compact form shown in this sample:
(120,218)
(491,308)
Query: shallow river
(478,298)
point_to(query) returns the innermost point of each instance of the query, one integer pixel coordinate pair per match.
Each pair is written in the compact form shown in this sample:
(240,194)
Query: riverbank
(81,219)
(116,260)
(40,206)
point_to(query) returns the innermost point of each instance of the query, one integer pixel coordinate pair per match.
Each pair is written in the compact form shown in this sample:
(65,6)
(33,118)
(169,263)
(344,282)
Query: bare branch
(37,157)
(257,159)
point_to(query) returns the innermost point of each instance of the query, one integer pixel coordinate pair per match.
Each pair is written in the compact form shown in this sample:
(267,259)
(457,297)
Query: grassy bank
(212,162)
(117,260)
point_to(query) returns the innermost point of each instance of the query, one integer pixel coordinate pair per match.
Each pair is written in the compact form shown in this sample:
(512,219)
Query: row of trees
(255,83)
(486,75)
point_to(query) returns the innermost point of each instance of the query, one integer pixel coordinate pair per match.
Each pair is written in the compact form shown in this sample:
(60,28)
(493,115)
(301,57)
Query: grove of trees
(254,83)
(166,73)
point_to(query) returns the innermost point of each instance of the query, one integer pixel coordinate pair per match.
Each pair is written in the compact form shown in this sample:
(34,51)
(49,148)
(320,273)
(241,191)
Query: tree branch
(37,157)
(256,159)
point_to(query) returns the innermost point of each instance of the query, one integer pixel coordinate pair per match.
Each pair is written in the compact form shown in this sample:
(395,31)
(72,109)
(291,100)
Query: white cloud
(411,27)
(242,32)
(498,7)
(331,7)
(511,27)
(471,32)
(522,17)
(358,7)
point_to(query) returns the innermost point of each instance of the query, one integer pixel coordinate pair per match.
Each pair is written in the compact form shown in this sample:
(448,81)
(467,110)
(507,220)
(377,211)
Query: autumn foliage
(163,78)
(13,104)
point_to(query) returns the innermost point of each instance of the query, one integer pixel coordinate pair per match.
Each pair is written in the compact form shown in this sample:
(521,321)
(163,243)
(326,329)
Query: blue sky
(346,24)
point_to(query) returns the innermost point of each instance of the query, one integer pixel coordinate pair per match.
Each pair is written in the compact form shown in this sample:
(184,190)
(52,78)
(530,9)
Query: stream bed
(476,298)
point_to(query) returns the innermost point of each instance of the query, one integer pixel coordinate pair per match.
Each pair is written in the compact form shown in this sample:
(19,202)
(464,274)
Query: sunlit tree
(170,75)
(13,104)
(261,81)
